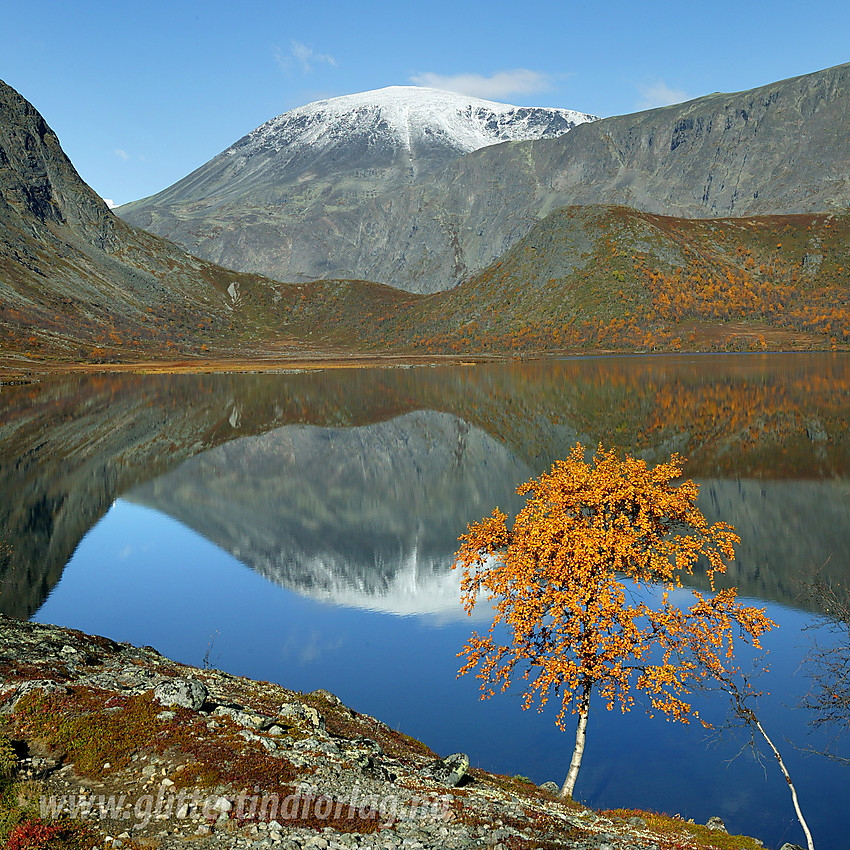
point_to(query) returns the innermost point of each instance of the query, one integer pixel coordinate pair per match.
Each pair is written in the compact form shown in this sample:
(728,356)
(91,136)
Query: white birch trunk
(790,783)
(581,735)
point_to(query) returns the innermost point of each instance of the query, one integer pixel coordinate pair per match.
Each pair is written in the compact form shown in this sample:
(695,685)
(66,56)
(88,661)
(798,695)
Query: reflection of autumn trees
(776,415)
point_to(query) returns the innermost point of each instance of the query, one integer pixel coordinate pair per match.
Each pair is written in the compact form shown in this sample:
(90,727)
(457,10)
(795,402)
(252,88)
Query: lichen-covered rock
(448,771)
(299,711)
(45,685)
(246,719)
(716,823)
(186,693)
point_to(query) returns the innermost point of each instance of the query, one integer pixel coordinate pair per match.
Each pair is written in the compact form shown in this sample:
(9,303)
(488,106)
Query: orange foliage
(562,580)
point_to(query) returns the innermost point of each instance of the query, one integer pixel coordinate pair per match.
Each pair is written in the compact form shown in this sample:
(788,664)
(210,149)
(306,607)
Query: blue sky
(140,94)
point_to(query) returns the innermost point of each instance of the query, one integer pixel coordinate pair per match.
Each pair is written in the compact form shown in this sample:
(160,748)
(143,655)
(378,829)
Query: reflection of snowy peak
(366,516)
(407,117)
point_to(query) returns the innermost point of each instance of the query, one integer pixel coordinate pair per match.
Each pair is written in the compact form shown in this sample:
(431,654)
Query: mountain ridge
(776,149)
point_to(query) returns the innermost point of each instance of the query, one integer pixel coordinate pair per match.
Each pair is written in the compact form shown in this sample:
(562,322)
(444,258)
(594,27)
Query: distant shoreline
(16,370)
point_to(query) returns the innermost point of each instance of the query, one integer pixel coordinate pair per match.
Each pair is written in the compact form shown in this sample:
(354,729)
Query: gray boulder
(716,823)
(186,693)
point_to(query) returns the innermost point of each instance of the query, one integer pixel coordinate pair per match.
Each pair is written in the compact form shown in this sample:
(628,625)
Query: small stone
(203,829)
(187,693)
(106,765)
(716,823)
(640,823)
(167,783)
(166,715)
(551,788)
(183,811)
(223,805)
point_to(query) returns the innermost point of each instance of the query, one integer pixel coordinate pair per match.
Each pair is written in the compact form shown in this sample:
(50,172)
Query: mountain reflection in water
(370,516)
(367,516)
(398,461)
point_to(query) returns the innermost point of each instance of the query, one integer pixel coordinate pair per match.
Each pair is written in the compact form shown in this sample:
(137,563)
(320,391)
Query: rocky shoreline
(151,753)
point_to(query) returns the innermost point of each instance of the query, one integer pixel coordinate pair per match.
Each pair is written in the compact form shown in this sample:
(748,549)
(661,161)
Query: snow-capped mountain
(407,117)
(294,198)
(356,147)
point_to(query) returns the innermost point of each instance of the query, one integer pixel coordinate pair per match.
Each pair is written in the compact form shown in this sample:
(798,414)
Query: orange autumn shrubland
(570,581)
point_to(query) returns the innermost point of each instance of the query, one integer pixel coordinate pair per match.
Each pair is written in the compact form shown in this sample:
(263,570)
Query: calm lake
(301,527)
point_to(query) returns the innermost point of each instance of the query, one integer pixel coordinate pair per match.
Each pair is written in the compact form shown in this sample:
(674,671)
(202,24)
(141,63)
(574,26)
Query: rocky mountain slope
(776,149)
(321,168)
(68,268)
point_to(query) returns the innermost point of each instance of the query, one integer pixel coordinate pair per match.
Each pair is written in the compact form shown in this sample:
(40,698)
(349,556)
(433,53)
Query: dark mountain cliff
(37,180)
(75,281)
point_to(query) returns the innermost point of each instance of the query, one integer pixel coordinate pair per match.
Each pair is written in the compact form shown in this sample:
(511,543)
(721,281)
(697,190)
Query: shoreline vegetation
(18,369)
(14,368)
(108,745)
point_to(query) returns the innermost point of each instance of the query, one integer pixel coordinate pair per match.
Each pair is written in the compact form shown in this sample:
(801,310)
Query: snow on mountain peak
(408,117)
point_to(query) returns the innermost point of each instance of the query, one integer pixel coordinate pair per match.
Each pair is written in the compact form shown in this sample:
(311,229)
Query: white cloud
(304,56)
(659,94)
(120,152)
(110,203)
(499,85)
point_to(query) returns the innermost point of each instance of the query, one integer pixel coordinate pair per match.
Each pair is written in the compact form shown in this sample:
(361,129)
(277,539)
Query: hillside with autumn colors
(613,278)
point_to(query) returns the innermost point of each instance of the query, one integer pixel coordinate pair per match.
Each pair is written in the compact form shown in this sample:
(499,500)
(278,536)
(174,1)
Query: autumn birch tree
(572,582)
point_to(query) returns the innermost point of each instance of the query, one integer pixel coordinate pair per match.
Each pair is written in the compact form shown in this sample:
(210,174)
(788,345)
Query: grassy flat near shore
(97,732)
(17,368)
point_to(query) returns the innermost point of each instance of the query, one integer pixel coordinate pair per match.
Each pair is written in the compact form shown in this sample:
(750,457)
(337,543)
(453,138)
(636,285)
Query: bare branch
(827,664)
